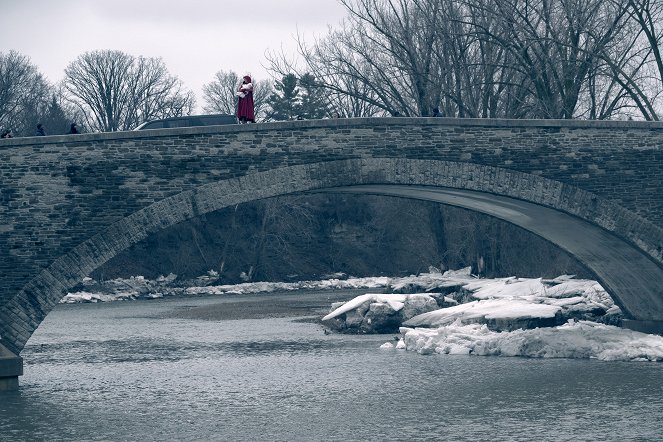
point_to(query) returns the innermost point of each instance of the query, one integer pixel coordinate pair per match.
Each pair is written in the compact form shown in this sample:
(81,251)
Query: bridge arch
(513,196)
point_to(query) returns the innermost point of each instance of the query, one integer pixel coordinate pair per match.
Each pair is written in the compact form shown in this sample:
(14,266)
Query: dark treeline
(311,236)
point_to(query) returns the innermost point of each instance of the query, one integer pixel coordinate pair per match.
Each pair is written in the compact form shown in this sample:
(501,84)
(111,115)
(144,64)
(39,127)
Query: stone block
(11,367)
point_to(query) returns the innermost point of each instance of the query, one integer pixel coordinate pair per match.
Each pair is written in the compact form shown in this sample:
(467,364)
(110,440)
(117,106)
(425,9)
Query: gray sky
(195,38)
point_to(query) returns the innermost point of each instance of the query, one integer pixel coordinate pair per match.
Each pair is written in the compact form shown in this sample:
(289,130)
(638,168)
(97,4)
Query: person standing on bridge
(40,130)
(245,112)
(73,129)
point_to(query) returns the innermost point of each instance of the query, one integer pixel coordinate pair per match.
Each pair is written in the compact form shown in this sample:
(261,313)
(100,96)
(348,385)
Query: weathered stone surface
(70,203)
(353,319)
(11,367)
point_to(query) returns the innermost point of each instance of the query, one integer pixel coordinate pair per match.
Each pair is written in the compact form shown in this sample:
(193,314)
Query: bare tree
(117,91)
(640,71)
(381,56)
(555,44)
(24,94)
(488,58)
(282,223)
(220,94)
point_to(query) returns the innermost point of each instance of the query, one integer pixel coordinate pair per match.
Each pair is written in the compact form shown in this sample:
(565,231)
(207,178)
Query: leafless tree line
(26,97)
(106,91)
(102,91)
(593,59)
(117,91)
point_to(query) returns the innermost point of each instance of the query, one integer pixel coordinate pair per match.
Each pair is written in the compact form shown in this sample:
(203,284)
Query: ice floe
(575,339)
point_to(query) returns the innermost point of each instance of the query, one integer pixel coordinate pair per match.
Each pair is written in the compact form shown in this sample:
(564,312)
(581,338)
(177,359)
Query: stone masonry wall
(58,191)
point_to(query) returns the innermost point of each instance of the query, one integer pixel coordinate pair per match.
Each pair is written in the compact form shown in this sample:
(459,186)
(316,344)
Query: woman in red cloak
(245,103)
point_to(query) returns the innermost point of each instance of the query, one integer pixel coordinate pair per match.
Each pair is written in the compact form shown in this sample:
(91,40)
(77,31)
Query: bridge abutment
(11,367)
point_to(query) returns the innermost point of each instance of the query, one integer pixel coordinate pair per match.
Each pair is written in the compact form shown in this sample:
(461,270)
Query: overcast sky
(195,38)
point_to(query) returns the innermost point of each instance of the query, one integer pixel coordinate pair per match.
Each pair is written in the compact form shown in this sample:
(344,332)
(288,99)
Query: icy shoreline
(138,287)
(451,313)
(458,297)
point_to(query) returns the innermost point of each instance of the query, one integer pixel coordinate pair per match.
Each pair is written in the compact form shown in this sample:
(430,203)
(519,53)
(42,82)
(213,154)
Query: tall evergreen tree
(313,102)
(56,119)
(284,102)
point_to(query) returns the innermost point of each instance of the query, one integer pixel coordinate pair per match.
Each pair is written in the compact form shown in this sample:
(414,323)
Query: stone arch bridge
(70,203)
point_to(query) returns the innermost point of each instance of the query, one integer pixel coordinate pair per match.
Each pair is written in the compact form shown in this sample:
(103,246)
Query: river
(256,368)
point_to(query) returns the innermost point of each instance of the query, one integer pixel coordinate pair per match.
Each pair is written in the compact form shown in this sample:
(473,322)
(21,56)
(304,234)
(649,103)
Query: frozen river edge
(445,313)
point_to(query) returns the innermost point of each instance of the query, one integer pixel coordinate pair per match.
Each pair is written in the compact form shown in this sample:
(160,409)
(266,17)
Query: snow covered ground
(138,287)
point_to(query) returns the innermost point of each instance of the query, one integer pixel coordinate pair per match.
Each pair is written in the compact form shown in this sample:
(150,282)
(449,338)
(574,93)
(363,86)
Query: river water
(184,369)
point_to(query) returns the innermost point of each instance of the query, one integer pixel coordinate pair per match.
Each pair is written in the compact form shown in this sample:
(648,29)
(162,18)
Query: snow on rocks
(135,287)
(575,339)
(500,303)
(138,287)
(379,312)
(500,314)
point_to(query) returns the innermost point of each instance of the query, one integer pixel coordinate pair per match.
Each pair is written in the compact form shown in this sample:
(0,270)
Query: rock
(381,318)
(353,319)
(337,324)
(444,300)
(380,308)
(363,308)
(417,304)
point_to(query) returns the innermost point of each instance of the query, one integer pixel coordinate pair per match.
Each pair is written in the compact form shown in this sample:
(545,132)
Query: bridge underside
(547,208)
(633,279)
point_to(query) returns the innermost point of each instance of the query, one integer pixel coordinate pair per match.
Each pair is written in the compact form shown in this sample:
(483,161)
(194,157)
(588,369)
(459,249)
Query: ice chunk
(394,300)
(482,310)
(576,339)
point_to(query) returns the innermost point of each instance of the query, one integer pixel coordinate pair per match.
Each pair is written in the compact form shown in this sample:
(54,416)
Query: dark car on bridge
(189,121)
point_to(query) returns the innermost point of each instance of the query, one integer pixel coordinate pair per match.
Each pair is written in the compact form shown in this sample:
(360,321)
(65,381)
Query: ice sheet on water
(576,339)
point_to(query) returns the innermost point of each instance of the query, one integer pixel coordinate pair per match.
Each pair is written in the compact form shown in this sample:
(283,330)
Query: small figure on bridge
(245,112)
(7,133)
(40,130)
(436,112)
(73,129)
